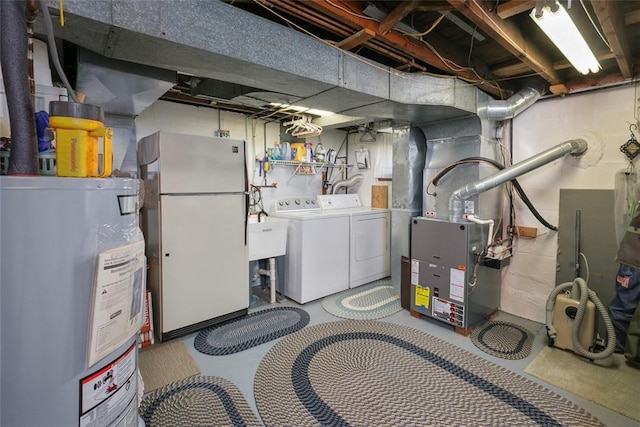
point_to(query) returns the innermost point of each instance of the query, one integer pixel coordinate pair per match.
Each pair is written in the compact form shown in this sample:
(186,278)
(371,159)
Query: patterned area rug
(250,330)
(373,301)
(503,339)
(197,401)
(373,373)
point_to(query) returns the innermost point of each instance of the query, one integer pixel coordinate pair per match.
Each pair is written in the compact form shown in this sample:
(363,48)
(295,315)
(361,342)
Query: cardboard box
(146,335)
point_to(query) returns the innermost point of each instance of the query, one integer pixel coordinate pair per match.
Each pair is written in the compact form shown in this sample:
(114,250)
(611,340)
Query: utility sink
(268,238)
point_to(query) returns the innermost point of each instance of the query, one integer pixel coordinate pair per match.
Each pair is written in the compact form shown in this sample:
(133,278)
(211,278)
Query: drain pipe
(13,57)
(507,109)
(574,147)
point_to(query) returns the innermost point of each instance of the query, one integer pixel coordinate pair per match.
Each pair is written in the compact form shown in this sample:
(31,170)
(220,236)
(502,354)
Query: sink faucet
(260,215)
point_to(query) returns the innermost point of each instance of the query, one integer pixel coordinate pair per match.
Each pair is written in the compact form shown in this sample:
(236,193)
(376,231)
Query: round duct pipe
(520,101)
(456,202)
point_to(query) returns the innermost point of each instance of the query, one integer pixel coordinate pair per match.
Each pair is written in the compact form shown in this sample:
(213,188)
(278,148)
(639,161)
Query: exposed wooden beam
(508,35)
(356,39)
(632,17)
(514,7)
(396,15)
(341,29)
(612,23)
(513,68)
(433,6)
(600,56)
(344,11)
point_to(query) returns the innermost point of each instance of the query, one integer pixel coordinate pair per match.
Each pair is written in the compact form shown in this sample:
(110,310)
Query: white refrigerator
(194,220)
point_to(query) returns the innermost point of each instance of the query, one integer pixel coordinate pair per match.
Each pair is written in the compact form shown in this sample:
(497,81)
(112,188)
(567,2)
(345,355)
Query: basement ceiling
(494,45)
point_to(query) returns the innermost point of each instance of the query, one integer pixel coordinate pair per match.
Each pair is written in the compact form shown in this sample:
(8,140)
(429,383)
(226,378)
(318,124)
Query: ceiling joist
(396,15)
(508,36)
(612,23)
(344,11)
(356,39)
(514,7)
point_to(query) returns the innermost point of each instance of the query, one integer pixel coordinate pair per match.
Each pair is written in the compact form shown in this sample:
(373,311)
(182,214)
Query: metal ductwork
(240,49)
(574,147)
(520,101)
(120,87)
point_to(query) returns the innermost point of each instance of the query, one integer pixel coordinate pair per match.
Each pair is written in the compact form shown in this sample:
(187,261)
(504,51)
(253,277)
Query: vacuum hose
(579,285)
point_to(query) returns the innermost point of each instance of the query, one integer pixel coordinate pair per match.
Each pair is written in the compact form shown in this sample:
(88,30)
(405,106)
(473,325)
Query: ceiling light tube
(559,27)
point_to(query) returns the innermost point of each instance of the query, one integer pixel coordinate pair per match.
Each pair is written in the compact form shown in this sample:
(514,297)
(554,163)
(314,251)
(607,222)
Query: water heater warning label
(109,395)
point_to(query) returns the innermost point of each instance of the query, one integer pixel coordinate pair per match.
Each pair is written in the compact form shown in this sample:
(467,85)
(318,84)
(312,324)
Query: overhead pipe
(13,57)
(574,147)
(520,101)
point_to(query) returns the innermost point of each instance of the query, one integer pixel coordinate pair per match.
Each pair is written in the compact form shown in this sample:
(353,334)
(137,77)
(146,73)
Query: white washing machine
(369,236)
(317,257)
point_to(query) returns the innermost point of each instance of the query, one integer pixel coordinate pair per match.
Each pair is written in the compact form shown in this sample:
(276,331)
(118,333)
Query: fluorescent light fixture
(559,27)
(300,109)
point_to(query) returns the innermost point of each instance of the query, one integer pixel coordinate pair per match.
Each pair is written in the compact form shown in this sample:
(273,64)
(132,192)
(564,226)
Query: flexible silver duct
(13,56)
(409,153)
(355,179)
(574,147)
(520,101)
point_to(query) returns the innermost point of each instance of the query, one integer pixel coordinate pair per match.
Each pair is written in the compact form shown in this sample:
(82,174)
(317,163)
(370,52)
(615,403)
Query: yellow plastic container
(78,147)
(300,151)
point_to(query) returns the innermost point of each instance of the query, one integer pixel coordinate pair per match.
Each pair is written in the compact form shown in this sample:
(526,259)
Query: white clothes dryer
(369,237)
(316,261)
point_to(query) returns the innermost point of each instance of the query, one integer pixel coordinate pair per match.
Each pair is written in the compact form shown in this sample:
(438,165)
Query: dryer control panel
(339,201)
(290,204)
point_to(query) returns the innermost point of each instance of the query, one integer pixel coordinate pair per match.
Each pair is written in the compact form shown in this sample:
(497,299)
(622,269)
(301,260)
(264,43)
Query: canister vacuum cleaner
(571,320)
(571,316)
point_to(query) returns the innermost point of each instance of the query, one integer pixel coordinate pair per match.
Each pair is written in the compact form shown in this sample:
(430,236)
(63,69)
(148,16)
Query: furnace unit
(450,281)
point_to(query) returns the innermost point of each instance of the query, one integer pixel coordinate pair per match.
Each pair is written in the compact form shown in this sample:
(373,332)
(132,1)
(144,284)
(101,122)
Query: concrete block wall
(600,117)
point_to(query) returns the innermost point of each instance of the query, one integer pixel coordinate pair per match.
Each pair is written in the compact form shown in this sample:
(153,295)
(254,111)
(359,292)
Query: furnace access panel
(449,281)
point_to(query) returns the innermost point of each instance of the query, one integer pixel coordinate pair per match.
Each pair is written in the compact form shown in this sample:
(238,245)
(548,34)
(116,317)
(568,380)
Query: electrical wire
(516,185)
(431,28)
(448,63)
(594,25)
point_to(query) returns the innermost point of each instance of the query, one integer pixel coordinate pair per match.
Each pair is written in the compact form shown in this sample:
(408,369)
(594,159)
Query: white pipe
(271,272)
(477,220)
(272,277)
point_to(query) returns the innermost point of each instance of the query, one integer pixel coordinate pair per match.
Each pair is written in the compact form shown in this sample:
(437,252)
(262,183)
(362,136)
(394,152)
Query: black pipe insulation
(13,57)
(516,186)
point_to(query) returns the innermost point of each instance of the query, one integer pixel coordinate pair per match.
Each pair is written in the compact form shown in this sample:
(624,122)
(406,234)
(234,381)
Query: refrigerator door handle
(246,218)
(246,197)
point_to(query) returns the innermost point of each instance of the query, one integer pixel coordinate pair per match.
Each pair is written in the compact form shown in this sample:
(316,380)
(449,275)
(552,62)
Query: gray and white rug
(371,301)
(503,339)
(371,373)
(197,401)
(251,330)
